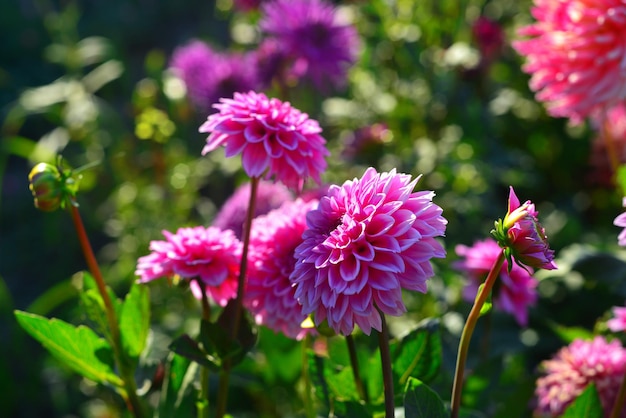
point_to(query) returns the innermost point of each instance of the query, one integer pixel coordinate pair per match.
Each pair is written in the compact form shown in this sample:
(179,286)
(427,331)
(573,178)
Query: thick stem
(203,398)
(308,400)
(468,329)
(354,362)
(385,357)
(618,408)
(222,394)
(131,398)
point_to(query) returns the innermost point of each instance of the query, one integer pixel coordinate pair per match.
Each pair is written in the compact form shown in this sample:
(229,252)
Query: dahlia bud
(46,184)
(523,237)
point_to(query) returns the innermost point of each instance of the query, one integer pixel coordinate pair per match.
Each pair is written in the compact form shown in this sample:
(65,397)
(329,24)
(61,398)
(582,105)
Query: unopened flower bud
(46,184)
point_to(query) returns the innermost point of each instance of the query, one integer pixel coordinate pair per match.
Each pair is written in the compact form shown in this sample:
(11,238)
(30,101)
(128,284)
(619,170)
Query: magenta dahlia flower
(516,288)
(275,139)
(575,54)
(568,373)
(618,322)
(309,31)
(209,75)
(523,237)
(621,222)
(232,214)
(270,297)
(367,240)
(209,255)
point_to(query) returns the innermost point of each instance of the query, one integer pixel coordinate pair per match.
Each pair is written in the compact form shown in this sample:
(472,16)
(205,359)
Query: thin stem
(222,394)
(203,398)
(468,329)
(131,398)
(354,362)
(308,400)
(385,357)
(620,400)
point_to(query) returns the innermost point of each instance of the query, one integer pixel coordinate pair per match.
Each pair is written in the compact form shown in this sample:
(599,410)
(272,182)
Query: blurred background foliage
(89,80)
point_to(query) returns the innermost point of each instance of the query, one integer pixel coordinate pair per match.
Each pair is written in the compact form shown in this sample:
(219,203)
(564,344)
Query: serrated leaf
(418,354)
(420,401)
(181,373)
(79,348)
(135,320)
(587,405)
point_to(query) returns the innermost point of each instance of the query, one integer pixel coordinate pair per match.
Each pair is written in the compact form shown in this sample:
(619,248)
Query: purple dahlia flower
(309,31)
(367,240)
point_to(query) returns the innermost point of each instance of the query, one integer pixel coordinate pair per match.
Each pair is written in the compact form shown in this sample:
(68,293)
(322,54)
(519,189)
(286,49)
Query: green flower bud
(47,186)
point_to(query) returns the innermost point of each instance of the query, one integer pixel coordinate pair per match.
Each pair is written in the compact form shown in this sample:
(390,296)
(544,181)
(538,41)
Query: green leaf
(78,347)
(420,401)
(569,334)
(587,405)
(418,354)
(181,374)
(246,337)
(217,341)
(134,320)
(191,349)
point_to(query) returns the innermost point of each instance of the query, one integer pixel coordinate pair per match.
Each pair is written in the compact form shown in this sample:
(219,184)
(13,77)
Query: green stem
(131,398)
(354,362)
(468,329)
(203,397)
(222,394)
(385,357)
(308,400)
(618,408)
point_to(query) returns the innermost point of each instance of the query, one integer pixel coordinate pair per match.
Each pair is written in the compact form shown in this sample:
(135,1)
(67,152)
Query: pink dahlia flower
(233,213)
(568,373)
(523,238)
(275,139)
(621,222)
(270,297)
(618,322)
(367,240)
(309,31)
(515,290)
(575,53)
(206,254)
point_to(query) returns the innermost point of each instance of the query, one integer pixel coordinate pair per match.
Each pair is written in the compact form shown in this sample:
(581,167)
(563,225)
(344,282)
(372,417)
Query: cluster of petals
(269,295)
(523,236)
(573,368)
(516,288)
(576,55)
(209,74)
(210,256)
(309,31)
(274,139)
(232,214)
(618,322)
(620,221)
(366,241)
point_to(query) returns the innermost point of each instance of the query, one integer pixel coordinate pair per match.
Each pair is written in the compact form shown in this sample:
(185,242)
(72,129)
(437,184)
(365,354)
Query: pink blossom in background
(274,139)
(516,289)
(621,222)
(209,75)
(366,241)
(309,31)
(489,36)
(575,53)
(568,373)
(247,5)
(232,214)
(367,140)
(618,322)
(523,236)
(269,296)
(208,254)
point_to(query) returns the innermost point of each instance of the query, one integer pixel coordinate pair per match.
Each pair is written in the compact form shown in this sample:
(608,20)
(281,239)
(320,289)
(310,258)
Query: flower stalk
(468,329)
(354,362)
(618,407)
(203,396)
(385,357)
(222,396)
